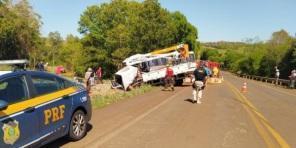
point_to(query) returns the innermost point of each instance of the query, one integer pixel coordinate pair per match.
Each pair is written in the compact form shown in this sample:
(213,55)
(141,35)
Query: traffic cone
(244,87)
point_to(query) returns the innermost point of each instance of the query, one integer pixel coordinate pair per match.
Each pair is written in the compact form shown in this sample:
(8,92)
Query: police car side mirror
(3,105)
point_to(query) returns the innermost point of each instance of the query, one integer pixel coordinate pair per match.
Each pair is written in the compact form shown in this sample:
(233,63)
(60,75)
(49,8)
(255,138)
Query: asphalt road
(227,118)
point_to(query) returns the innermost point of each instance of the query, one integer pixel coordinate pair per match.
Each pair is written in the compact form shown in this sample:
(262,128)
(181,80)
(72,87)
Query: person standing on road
(169,78)
(292,78)
(199,83)
(208,70)
(277,75)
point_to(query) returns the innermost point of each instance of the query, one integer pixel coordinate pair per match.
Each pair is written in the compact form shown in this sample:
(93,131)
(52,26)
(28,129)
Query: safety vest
(169,72)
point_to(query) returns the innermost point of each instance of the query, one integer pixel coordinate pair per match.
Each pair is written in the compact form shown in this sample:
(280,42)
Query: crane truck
(151,67)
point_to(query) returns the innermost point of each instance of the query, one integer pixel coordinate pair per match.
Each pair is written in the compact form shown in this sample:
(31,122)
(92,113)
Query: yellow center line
(252,111)
(260,128)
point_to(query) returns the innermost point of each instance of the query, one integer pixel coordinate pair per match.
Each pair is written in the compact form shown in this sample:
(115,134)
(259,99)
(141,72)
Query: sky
(216,20)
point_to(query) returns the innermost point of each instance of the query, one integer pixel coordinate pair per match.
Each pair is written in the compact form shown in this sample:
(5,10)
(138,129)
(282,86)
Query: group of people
(93,76)
(40,66)
(200,74)
(292,77)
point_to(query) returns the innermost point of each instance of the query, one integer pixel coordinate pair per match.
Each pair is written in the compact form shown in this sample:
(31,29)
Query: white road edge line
(265,85)
(122,128)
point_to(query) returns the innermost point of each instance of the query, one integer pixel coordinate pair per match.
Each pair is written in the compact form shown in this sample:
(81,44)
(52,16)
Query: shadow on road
(62,141)
(186,85)
(179,86)
(167,89)
(189,100)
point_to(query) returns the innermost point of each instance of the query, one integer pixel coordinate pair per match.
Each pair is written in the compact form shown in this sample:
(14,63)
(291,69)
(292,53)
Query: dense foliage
(113,31)
(19,29)
(253,57)
(110,33)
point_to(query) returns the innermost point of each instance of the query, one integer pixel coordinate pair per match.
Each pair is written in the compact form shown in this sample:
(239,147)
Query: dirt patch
(103,95)
(104,89)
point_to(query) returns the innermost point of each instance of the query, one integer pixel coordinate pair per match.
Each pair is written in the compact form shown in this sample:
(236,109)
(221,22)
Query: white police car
(38,107)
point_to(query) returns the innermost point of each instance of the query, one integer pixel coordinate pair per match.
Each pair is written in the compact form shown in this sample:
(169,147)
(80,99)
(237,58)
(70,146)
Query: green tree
(212,55)
(232,59)
(70,52)
(54,43)
(255,57)
(107,31)
(277,47)
(154,28)
(185,32)
(288,62)
(19,29)
(122,28)
(253,54)
(267,65)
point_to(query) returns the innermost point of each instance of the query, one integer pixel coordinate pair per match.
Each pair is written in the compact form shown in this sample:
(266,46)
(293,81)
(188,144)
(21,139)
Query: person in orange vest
(169,78)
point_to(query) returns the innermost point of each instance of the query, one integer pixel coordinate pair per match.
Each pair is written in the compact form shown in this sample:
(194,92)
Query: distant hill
(223,45)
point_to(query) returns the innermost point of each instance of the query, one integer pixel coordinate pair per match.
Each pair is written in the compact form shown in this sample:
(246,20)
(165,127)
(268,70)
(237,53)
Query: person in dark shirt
(40,66)
(199,83)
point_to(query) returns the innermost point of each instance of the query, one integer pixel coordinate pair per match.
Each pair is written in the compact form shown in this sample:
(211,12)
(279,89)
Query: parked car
(60,69)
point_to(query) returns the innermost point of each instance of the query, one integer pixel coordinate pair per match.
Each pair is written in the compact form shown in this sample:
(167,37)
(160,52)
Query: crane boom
(182,48)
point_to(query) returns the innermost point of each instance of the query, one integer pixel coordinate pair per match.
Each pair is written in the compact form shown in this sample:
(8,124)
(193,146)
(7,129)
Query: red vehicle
(209,64)
(213,64)
(215,68)
(59,70)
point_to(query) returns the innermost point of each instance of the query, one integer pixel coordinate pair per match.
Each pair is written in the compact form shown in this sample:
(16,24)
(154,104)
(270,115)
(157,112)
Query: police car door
(54,113)
(18,119)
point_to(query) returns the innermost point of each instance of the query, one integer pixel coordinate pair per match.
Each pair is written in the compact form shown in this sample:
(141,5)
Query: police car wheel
(78,125)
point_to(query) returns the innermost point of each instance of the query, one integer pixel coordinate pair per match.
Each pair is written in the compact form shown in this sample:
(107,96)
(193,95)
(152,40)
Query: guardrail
(281,82)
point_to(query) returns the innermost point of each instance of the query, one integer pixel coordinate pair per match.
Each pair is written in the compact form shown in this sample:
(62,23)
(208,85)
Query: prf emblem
(11,132)
(54,114)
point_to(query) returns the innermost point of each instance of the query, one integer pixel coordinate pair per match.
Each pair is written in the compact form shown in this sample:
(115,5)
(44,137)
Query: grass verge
(100,101)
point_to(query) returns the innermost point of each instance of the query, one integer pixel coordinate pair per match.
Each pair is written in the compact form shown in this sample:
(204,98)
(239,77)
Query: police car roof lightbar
(13,62)
(17,64)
